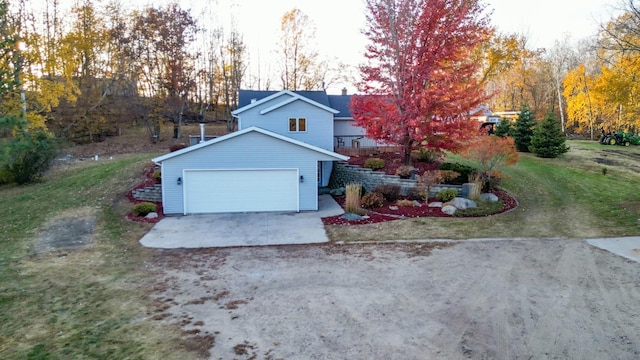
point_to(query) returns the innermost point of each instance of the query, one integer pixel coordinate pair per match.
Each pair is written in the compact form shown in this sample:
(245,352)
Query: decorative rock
(352,217)
(435,204)
(151,215)
(417,203)
(449,209)
(337,192)
(463,204)
(393,208)
(488,197)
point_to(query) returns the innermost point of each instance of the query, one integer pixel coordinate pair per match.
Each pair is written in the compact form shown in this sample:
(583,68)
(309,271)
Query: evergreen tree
(548,140)
(504,128)
(523,130)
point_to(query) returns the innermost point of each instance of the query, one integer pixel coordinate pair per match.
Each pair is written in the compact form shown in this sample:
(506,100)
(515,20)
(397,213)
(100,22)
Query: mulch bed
(149,181)
(383,214)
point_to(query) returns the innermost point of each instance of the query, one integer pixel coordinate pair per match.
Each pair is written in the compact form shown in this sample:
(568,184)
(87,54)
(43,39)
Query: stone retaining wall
(149,193)
(344,174)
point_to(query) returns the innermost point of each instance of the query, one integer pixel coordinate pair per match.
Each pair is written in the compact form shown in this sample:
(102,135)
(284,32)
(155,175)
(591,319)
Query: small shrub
(157,176)
(29,155)
(446,195)
(176,147)
(352,201)
(604,171)
(374,164)
(405,202)
(463,170)
(404,172)
(425,155)
(144,208)
(372,200)
(448,175)
(416,193)
(391,192)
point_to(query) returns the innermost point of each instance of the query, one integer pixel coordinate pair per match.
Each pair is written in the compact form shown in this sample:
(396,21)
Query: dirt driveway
(534,299)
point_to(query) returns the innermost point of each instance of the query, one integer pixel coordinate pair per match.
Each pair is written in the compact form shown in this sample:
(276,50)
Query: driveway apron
(242,229)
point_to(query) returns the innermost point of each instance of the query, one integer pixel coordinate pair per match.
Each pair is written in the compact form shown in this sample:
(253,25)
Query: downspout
(202,137)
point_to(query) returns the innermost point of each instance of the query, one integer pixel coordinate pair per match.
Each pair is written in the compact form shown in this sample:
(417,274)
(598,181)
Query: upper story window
(297,124)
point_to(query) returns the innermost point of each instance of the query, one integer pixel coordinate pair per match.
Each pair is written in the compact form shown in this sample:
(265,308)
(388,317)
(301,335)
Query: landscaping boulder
(337,192)
(151,215)
(435,204)
(416,203)
(489,197)
(449,209)
(352,217)
(463,204)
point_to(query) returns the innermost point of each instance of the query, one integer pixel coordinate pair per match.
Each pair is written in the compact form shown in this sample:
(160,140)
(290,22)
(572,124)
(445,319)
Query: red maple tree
(420,80)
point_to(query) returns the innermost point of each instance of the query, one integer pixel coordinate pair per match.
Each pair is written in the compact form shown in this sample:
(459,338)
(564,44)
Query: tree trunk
(407,150)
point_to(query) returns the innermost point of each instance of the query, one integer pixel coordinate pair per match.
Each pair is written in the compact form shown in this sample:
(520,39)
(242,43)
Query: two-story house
(280,155)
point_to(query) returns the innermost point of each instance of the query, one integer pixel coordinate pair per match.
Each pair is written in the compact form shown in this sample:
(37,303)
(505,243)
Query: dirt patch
(68,231)
(474,300)
(608,162)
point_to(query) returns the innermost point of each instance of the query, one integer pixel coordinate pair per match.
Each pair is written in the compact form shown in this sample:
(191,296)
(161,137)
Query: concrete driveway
(242,229)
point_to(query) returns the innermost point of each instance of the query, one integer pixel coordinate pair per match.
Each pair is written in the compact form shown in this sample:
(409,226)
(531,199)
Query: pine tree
(523,129)
(548,140)
(504,128)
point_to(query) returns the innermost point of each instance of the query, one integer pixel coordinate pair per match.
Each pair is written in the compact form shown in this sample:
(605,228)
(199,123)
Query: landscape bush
(404,172)
(446,195)
(463,170)
(374,164)
(28,155)
(390,192)
(157,176)
(144,208)
(425,155)
(416,193)
(372,200)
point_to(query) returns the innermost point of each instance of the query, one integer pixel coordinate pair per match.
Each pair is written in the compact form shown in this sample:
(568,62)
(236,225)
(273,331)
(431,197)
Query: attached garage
(251,170)
(220,191)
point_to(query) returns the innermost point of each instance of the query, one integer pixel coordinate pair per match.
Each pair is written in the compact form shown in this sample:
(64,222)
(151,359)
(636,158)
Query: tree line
(88,72)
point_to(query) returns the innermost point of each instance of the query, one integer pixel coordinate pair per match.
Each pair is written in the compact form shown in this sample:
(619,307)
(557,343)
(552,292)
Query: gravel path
(534,299)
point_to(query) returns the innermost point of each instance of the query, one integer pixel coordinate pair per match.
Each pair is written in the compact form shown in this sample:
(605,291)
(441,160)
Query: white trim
(297,97)
(189,149)
(261,101)
(184,183)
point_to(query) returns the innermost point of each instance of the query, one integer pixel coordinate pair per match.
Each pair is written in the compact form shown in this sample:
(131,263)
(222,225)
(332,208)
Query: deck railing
(359,145)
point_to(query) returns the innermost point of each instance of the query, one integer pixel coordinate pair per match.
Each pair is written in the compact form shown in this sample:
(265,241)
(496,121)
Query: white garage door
(218,191)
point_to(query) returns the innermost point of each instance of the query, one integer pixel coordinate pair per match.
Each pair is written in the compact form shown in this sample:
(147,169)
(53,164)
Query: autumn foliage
(420,81)
(489,154)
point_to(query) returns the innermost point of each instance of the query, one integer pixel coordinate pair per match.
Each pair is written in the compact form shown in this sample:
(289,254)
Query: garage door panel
(214,191)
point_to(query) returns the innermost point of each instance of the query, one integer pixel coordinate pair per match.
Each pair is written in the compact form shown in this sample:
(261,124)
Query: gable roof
(189,149)
(339,103)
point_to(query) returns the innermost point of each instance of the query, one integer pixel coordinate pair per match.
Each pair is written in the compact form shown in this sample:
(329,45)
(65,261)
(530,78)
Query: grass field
(84,304)
(92,303)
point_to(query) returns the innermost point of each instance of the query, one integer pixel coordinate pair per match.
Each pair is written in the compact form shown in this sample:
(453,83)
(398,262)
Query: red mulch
(385,214)
(392,161)
(149,181)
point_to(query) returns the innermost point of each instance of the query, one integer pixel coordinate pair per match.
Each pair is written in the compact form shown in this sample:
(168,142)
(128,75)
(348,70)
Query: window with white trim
(297,124)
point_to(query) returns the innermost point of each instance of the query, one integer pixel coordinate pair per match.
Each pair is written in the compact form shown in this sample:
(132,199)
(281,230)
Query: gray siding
(252,150)
(319,122)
